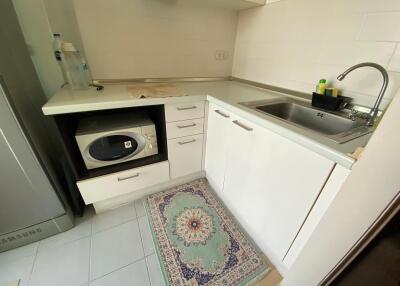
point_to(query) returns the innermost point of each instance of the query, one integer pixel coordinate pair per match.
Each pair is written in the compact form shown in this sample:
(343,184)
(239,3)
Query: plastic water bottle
(57,43)
(76,69)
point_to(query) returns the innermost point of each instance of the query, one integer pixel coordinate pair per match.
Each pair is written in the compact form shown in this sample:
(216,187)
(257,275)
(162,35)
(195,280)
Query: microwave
(116,138)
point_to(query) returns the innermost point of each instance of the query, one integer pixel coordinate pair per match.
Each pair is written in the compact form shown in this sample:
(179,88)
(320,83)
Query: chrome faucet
(374,111)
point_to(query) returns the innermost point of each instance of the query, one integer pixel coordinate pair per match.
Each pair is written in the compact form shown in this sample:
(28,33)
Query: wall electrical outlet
(221,55)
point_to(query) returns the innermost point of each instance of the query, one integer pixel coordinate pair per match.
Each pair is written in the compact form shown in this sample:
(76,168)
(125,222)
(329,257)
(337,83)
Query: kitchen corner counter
(227,94)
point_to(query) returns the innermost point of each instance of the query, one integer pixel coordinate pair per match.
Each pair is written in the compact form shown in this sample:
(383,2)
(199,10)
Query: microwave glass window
(113,147)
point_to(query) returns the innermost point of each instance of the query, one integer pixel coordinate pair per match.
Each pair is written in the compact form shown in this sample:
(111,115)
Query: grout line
(122,267)
(144,253)
(392,56)
(90,251)
(114,226)
(33,263)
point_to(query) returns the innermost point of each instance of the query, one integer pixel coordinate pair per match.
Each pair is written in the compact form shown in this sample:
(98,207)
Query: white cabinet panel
(185,155)
(328,194)
(185,128)
(218,126)
(184,111)
(112,185)
(271,184)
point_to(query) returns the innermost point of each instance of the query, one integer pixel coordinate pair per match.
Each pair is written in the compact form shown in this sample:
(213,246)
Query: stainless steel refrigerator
(32,202)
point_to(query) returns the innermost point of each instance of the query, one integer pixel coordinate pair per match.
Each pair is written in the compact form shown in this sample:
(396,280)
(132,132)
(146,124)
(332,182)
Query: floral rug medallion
(197,242)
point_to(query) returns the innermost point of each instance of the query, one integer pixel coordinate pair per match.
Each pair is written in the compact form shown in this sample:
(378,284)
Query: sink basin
(334,126)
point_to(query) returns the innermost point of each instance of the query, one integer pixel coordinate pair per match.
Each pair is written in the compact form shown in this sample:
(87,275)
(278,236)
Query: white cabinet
(219,123)
(184,111)
(117,184)
(331,189)
(185,128)
(185,155)
(269,183)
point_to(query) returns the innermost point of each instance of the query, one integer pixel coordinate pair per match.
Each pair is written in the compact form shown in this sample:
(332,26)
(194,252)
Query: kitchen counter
(227,94)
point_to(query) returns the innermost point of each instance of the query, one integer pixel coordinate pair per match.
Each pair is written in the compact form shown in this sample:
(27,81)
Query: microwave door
(113,148)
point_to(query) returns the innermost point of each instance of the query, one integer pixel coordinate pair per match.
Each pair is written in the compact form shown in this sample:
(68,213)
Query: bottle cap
(57,35)
(68,47)
(322,81)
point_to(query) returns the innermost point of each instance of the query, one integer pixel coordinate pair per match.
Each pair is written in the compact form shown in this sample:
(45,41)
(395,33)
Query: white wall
(155,38)
(62,19)
(373,183)
(294,43)
(34,23)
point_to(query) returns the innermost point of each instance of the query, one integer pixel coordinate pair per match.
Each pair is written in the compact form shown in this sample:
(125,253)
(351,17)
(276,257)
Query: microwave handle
(129,177)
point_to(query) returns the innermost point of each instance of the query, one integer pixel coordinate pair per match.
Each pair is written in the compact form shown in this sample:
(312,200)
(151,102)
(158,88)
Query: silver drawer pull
(186,142)
(186,126)
(127,178)
(222,114)
(186,108)
(242,126)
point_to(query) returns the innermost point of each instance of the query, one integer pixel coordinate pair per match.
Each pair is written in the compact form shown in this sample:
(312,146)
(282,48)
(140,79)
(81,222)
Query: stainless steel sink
(335,126)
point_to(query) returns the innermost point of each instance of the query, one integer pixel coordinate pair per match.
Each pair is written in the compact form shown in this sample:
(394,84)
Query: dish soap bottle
(321,87)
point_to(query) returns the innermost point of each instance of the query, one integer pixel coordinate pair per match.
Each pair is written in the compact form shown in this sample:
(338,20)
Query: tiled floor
(113,248)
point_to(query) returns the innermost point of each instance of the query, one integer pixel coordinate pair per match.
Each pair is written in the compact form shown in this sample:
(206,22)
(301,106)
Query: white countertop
(227,94)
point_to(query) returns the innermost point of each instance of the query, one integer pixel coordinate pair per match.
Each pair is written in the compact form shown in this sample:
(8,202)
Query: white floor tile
(114,217)
(148,244)
(131,275)
(82,228)
(17,253)
(156,277)
(67,265)
(140,211)
(16,269)
(114,248)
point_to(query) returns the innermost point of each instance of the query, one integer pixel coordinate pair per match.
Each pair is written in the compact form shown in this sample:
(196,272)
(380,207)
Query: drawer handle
(186,108)
(242,126)
(186,126)
(187,142)
(222,114)
(127,178)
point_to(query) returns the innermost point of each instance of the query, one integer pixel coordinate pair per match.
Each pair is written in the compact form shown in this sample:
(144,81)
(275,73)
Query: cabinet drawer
(112,185)
(185,155)
(185,128)
(184,111)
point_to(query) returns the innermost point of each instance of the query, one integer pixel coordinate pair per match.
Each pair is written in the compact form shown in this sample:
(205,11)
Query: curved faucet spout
(375,108)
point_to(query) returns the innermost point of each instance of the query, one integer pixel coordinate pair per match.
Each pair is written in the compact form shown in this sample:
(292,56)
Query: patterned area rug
(197,242)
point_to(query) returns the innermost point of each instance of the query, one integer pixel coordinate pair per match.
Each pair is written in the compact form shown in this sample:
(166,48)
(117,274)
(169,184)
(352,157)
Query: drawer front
(185,155)
(184,111)
(185,128)
(109,186)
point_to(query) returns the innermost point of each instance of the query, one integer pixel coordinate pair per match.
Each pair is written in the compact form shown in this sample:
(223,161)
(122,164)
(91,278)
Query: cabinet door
(216,148)
(271,184)
(185,155)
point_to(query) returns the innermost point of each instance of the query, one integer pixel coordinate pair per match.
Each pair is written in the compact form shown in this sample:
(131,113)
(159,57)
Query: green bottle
(321,87)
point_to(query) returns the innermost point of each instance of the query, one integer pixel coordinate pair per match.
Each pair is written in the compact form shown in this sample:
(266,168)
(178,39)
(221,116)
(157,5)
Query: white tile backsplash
(381,26)
(141,38)
(294,43)
(395,61)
